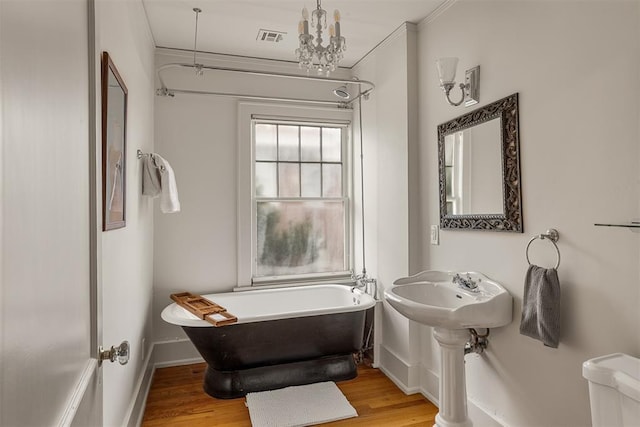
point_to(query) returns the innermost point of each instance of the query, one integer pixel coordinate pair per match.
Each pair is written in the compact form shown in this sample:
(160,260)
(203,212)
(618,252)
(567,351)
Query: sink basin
(440,299)
(432,298)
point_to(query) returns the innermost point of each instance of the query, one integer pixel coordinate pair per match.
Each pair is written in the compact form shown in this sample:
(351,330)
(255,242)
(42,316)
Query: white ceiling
(231,26)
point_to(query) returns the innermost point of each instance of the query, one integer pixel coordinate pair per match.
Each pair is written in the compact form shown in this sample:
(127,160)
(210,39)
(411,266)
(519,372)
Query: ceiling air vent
(270,36)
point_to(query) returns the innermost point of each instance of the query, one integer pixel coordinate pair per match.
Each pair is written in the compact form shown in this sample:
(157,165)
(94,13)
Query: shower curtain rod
(165,91)
(172,92)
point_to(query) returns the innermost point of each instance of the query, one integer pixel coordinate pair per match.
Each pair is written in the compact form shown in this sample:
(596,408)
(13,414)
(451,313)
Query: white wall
(388,131)
(196,249)
(127,253)
(45,319)
(580,162)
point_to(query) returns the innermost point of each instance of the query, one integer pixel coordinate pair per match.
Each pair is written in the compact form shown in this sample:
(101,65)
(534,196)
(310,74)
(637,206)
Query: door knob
(120,352)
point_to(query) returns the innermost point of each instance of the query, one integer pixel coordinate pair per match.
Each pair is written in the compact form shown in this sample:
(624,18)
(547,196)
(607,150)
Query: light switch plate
(435,234)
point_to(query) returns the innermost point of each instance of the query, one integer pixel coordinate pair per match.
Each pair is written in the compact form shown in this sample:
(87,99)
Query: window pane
(310,144)
(300,237)
(266,179)
(289,179)
(331,144)
(331,180)
(310,174)
(266,147)
(288,147)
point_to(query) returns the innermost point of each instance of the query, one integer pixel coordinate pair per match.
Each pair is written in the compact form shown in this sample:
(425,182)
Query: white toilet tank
(614,390)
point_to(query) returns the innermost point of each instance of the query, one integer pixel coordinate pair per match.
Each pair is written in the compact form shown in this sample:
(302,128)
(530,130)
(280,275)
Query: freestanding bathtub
(283,337)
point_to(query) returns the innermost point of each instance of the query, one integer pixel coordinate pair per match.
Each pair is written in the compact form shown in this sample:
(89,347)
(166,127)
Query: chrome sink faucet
(466,283)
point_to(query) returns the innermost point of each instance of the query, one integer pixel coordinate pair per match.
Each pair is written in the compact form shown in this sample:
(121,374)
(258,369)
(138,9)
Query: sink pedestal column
(453,391)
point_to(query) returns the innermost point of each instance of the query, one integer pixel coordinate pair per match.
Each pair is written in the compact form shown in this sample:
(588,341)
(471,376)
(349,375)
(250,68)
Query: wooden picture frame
(114,133)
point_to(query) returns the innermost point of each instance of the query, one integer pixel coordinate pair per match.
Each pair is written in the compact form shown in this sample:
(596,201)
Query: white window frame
(247,246)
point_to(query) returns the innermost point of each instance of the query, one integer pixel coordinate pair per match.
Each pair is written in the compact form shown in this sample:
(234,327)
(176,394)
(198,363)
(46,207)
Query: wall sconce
(470,88)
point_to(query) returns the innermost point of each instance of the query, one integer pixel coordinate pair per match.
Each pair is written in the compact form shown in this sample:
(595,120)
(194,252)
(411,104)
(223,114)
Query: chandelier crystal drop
(312,54)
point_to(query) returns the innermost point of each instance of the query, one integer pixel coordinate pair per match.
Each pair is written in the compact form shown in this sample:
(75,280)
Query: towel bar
(552,235)
(140,155)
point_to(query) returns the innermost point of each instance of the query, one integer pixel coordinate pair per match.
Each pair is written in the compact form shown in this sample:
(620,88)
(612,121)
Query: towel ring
(553,236)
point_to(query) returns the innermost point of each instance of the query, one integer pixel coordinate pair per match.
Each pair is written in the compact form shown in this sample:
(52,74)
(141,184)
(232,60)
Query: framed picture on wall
(114,132)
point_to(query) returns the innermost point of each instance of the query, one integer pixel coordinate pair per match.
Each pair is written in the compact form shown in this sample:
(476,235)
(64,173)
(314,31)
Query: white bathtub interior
(274,304)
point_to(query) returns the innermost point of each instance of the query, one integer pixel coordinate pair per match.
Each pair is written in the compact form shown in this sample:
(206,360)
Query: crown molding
(402,30)
(436,13)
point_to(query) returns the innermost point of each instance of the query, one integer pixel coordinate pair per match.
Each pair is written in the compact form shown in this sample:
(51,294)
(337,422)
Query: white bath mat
(295,406)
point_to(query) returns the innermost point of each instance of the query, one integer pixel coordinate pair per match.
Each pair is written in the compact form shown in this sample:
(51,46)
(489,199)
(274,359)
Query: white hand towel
(169,202)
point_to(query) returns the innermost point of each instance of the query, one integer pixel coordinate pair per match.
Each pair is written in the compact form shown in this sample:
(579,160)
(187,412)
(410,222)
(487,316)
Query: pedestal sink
(452,303)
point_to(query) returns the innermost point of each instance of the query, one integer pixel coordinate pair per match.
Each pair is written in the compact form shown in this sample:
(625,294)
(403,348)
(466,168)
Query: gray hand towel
(541,305)
(151,180)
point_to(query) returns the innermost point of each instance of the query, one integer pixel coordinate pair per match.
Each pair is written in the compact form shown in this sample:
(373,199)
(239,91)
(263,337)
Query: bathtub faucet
(365,283)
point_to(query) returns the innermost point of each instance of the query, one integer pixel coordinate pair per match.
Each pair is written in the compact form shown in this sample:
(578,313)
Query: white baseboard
(404,375)
(480,417)
(175,353)
(161,354)
(135,411)
(397,370)
(430,385)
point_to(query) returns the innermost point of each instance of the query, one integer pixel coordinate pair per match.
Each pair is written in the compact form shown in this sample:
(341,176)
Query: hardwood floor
(176,399)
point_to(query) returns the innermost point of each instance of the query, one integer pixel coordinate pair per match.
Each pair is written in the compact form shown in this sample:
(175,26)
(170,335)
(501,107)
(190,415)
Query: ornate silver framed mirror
(479,165)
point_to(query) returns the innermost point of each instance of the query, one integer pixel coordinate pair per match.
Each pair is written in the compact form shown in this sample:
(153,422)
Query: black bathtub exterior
(258,356)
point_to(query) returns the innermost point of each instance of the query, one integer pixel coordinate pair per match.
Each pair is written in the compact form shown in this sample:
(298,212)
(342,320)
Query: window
(294,185)
(301,204)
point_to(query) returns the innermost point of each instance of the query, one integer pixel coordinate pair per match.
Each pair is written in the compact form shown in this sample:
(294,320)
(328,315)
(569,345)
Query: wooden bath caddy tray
(204,309)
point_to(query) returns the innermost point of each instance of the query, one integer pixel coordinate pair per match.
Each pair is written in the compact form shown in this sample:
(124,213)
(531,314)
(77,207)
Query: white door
(48,327)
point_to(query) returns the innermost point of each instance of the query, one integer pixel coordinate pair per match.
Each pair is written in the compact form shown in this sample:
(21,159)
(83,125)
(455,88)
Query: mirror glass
(114,119)
(473,163)
(479,169)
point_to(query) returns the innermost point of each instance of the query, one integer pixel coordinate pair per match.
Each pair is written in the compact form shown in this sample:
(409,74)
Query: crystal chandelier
(310,55)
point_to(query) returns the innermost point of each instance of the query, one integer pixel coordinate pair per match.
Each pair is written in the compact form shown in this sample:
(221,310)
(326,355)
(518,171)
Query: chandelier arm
(319,46)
